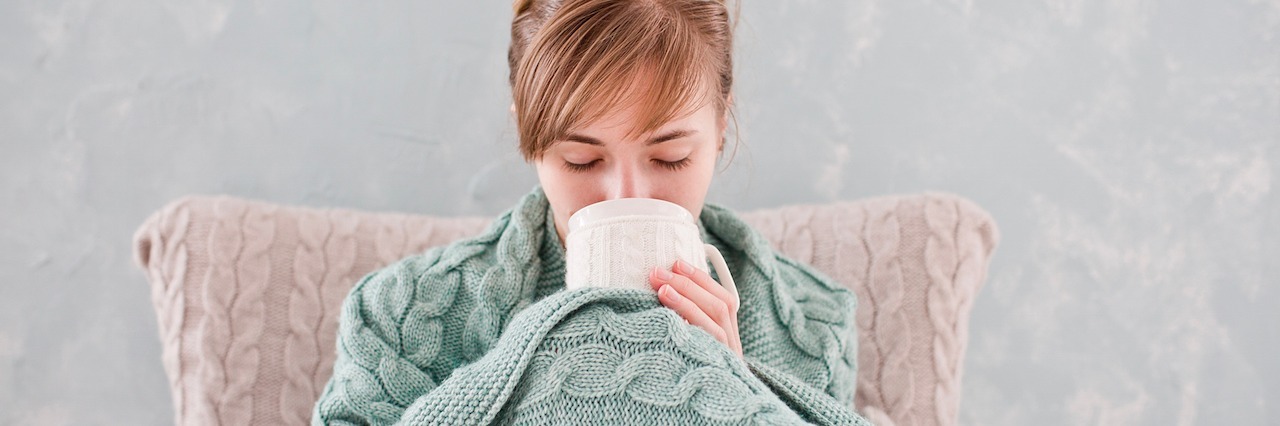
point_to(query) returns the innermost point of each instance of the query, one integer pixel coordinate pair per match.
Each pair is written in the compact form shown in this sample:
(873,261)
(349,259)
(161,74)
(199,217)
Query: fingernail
(662,274)
(683,267)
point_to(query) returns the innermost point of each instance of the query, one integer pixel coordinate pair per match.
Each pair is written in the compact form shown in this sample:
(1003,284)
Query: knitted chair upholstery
(248,294)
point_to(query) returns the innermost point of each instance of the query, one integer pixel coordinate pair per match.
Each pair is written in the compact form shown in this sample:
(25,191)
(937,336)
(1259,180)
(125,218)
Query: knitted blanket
(483,332)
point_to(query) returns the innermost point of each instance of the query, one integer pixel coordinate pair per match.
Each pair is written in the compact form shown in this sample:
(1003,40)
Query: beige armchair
(247,295)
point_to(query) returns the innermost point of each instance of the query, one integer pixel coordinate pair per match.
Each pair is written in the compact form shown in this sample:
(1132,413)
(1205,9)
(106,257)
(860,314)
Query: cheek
(566,191)
(688,188)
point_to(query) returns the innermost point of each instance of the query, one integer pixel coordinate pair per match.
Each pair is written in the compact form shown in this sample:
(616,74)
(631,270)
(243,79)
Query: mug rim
(622,207)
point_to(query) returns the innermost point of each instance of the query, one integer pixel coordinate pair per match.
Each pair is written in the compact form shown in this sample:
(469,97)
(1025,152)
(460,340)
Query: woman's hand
(701,300)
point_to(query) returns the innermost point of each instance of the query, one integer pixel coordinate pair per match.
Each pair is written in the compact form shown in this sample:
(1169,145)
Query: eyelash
(669,165)
(674,165)
(579,168)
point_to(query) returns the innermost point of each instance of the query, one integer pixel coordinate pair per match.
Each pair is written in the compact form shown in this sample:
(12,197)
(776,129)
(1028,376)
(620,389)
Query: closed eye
(673,165)
(579,167)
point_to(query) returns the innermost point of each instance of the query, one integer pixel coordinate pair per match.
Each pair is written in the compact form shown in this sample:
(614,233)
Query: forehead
(644,104)
(629,120)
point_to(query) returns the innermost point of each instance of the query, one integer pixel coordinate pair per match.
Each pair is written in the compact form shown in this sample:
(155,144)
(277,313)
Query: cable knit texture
(438,339)
(258,347)
(620,251)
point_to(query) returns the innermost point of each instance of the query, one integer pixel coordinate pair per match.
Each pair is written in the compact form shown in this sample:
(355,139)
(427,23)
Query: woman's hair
(575,61)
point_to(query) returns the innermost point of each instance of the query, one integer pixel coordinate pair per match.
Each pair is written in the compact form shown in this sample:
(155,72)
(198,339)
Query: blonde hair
(574,61)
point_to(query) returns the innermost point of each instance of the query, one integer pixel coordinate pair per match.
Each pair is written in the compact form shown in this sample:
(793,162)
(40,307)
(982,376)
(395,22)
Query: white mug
(616,243)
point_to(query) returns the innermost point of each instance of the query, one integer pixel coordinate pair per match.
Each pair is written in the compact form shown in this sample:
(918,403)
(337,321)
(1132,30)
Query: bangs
(586,64)
(662,92)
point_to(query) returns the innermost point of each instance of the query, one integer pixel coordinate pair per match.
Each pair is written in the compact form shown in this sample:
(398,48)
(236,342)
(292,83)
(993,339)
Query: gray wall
(1127,149)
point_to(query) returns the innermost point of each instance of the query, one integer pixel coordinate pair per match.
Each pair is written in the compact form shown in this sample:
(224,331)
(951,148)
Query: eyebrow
(672,135)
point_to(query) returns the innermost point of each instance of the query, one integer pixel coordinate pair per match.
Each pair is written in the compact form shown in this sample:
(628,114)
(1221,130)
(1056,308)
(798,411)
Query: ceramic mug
(616,243)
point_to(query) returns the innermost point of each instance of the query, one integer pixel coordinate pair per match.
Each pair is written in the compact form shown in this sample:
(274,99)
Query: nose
(629,182)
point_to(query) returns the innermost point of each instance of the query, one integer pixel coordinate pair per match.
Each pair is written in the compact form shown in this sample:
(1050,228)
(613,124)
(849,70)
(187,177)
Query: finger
(717,309)
(728,322)
(691,312)
(705,281)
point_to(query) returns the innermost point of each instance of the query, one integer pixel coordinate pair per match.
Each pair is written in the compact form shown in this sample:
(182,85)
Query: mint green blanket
(483,332)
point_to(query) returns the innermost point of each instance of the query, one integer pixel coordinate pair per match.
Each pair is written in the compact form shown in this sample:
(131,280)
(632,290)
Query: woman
(613,99)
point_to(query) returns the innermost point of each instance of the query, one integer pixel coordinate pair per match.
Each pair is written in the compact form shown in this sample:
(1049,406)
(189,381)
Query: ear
(513,108)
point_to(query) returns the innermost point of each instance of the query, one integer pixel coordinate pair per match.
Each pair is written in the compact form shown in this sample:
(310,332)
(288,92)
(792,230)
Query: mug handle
(722,271)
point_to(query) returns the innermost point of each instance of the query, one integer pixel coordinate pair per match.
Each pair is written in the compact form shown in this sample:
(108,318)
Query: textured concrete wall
(1126,147)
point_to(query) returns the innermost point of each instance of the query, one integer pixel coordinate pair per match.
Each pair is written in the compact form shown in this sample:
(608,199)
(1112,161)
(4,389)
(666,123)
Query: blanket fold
(483,332)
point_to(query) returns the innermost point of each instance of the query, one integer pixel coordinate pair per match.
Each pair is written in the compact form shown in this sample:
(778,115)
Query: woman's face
(598,162)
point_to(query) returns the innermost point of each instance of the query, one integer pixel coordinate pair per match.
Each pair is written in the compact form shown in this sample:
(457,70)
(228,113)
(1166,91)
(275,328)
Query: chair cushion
(248,294)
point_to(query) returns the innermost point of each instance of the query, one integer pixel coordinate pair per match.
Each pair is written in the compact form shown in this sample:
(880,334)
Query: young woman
(613,99)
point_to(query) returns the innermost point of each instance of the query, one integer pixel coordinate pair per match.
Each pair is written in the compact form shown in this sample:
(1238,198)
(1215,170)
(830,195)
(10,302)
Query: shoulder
(422,284)
(417,272)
